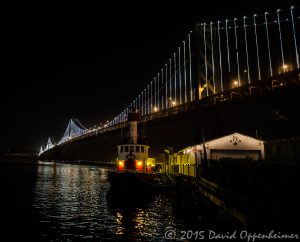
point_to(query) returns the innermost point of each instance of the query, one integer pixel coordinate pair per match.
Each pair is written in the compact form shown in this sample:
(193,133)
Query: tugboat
(134,179)
(133,156)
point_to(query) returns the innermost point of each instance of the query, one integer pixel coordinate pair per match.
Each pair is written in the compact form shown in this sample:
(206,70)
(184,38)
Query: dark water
(51,201)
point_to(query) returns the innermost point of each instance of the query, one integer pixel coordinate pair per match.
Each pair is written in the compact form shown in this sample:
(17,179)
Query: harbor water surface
(54,201)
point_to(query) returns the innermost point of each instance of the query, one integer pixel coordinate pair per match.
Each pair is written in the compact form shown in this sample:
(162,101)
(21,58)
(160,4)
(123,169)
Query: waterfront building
(235,146)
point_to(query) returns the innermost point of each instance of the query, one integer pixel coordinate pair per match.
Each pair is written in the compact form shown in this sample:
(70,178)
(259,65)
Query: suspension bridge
(217,63)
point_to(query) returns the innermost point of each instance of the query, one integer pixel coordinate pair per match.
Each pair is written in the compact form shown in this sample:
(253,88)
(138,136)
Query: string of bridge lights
(172,85)
(150,100)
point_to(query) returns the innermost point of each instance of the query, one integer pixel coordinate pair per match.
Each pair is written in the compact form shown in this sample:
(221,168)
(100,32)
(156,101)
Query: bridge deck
(284,81)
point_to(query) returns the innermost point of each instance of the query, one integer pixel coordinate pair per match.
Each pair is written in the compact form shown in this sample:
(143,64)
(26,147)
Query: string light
(279,29)
(166,82)
(170,77)
(175,79)
(237,52)
(190,58)
(256,43)
(179,66)
(212,56)
(162,83)
(184,67)
(294,34)
(205,57)
(227,43)
(268,41)
(246,47)
(158,90)
(220,57)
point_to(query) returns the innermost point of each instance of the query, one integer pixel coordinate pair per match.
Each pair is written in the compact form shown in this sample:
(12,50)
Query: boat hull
(131,188)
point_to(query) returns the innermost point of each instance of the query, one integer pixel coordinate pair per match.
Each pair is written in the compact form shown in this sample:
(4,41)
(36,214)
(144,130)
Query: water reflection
(146,223)
(70,203)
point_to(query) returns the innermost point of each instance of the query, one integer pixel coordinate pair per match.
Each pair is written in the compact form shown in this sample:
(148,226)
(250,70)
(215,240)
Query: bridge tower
(205,61)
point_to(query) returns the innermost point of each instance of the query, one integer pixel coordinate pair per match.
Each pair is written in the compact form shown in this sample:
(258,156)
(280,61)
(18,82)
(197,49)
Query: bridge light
(284,68)
(235,83)
(173,103)
(155,109)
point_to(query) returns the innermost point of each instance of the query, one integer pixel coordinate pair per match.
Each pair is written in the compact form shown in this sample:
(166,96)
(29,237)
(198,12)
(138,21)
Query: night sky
(89,61)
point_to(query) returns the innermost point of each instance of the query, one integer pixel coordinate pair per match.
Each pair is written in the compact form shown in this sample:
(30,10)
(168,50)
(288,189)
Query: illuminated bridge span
(217,62)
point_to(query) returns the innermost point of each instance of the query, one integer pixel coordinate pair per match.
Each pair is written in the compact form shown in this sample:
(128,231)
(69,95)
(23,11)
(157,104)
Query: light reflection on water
(70,203)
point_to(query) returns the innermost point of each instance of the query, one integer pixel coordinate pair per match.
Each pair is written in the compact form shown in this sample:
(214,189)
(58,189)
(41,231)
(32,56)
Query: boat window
(126,148)
(137,148)
(132,148)
(122,148)
(142,149)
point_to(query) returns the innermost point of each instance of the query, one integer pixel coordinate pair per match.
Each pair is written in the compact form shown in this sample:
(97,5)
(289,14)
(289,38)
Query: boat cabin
(133,157)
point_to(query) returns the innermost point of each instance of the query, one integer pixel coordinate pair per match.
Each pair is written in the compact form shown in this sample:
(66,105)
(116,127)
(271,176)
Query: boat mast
(133,119)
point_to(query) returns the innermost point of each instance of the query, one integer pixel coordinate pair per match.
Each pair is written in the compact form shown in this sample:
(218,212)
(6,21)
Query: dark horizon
(88,62)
